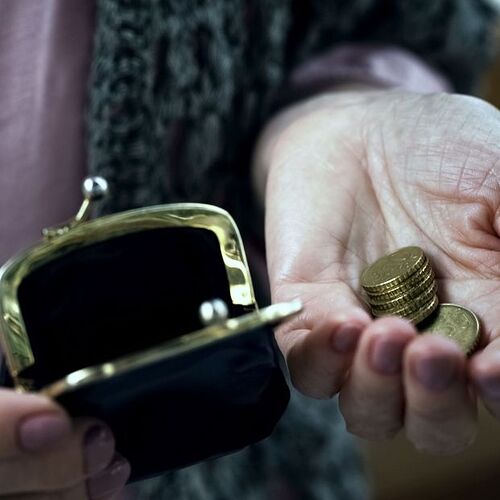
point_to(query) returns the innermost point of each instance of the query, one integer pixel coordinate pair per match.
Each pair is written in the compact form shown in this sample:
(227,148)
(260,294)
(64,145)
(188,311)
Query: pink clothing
(45,48)
(382,66)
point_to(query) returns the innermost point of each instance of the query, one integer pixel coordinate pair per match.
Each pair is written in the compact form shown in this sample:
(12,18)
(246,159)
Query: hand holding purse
(147,320)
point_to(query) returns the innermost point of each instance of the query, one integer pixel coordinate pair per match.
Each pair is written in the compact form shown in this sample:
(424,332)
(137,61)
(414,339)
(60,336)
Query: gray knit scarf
(179,89)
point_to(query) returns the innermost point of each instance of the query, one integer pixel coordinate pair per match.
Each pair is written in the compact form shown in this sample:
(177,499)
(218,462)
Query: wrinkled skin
(350,177)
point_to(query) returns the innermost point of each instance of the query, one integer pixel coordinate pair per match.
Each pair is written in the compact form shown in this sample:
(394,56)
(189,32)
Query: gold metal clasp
(94,189)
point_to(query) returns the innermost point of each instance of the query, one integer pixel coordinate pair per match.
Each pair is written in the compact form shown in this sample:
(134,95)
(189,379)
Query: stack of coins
(401,284)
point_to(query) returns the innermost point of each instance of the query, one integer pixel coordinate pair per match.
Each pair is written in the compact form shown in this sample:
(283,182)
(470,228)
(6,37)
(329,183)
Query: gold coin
(404,297)
(457,323)
(413,285)
(409,283)
(392,269)
(424,312)
(415,315)
(407,303)
(409,308)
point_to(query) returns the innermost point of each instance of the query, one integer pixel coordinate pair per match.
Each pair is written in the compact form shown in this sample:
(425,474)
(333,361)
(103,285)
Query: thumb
(30,423)
(43,450)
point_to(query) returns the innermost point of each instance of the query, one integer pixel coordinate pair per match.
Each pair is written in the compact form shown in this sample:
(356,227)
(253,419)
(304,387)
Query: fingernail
(386,356)
(42,432)
(98,448)
(435,373)
(489,387)
(345,338)
(110,481)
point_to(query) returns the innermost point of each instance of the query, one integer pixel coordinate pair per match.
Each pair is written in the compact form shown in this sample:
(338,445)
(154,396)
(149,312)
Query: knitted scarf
(179,90)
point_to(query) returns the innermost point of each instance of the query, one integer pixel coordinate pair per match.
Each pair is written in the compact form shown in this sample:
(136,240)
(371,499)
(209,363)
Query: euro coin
(410,308)
(401,284)
(414,285)
(457,323)
(415,315)
(392,269)
(412,299)
(424,312)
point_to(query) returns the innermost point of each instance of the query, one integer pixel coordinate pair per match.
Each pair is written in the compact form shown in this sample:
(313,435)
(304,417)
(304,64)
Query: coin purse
(104,317)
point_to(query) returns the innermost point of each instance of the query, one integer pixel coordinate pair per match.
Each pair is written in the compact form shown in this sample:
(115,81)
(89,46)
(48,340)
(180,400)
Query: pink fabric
(383,66)
(45,48)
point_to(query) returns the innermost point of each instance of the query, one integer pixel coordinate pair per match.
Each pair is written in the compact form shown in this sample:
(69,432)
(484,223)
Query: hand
(351,177)
(45,456)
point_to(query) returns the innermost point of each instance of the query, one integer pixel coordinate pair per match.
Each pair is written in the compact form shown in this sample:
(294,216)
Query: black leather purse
(147,320)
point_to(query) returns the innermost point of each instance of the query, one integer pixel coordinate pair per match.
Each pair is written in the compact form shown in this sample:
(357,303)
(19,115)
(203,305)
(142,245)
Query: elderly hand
(350,177)
(45,456)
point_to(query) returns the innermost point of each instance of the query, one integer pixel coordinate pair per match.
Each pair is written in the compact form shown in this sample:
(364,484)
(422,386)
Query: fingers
(395,377)
(105,485)
(484,371)
(372,399)
(20,430)
(42,451)
(319,357)
(86,451)
(401,378)
(440,412)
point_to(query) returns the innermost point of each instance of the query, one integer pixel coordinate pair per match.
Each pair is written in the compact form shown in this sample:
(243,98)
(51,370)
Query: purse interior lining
(119,296)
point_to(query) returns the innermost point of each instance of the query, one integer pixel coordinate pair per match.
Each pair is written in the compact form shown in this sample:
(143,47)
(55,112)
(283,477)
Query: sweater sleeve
(374,65)
(456,37)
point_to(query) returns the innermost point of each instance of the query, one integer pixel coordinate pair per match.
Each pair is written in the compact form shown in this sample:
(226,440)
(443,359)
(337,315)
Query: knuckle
(373,431)
(370,427)
(316,390)
(364,423)
(376,417)
(312,376)
(433,415)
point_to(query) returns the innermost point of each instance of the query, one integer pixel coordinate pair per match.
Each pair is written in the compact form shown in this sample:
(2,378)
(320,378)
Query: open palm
(355,177)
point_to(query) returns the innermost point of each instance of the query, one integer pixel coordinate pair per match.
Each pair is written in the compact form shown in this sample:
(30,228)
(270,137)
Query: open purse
(147,320)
